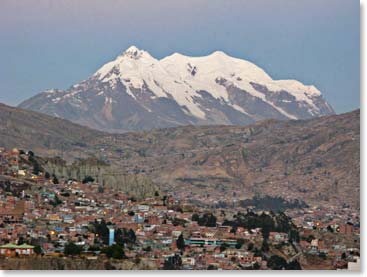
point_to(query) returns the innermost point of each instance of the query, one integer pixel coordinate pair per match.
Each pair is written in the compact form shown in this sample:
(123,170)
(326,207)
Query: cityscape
(184,136)
(44,216)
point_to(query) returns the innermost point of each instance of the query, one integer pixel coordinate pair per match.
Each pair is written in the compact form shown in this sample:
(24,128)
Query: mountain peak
(219,53)
(137,91)
(132,49)
(134,52)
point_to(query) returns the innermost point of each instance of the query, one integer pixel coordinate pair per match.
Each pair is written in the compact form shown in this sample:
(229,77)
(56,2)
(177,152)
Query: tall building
(111,237)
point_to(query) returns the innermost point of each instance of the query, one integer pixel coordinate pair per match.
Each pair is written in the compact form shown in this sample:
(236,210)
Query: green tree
(102,230)
(233,229)
(208,220)
(293,266)
(277,263)
(294,235)
(123,236)
(195,217)
(72,249)
(37,249)
(119,237)
(132,236)
(164,200)
(114,251)
(148,248)
(54,179)
(56,201)
(178,221)
(240,243)
(173,263)
(20,241)
(265,246)
(36,168)
(257,252)
(256,266)
(94,248)
(132,199)
(180,242)
(223,247)
(88,179)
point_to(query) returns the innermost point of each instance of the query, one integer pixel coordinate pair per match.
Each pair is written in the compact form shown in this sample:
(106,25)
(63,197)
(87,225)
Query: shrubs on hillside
(208,220)
(114,251)
(72,249)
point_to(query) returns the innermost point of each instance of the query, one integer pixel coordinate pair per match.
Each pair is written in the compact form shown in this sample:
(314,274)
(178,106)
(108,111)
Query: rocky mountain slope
(138,92)
(316,160)
(32,130)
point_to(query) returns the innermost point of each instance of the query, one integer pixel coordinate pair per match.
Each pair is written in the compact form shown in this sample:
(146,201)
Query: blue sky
(54,44)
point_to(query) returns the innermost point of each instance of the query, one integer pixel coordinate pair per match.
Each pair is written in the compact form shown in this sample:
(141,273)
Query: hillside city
(43,216)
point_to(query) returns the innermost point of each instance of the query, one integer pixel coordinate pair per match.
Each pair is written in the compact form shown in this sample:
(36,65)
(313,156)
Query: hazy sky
(54,44)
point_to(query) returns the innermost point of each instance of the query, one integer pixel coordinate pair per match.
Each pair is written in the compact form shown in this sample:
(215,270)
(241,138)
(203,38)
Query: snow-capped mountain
(137,91)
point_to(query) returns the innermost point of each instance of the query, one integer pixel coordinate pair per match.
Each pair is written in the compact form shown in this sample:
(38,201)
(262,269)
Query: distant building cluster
(46,215)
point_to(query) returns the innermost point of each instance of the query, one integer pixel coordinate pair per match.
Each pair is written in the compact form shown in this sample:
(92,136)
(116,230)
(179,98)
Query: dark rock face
(288,103)
(254,105)
(220,113)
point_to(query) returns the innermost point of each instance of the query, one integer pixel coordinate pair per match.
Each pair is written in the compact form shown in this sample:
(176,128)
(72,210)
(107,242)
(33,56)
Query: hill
(317,160)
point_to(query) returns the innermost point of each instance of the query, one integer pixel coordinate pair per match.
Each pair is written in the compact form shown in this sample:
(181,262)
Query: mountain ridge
(296,159)
(138,92)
